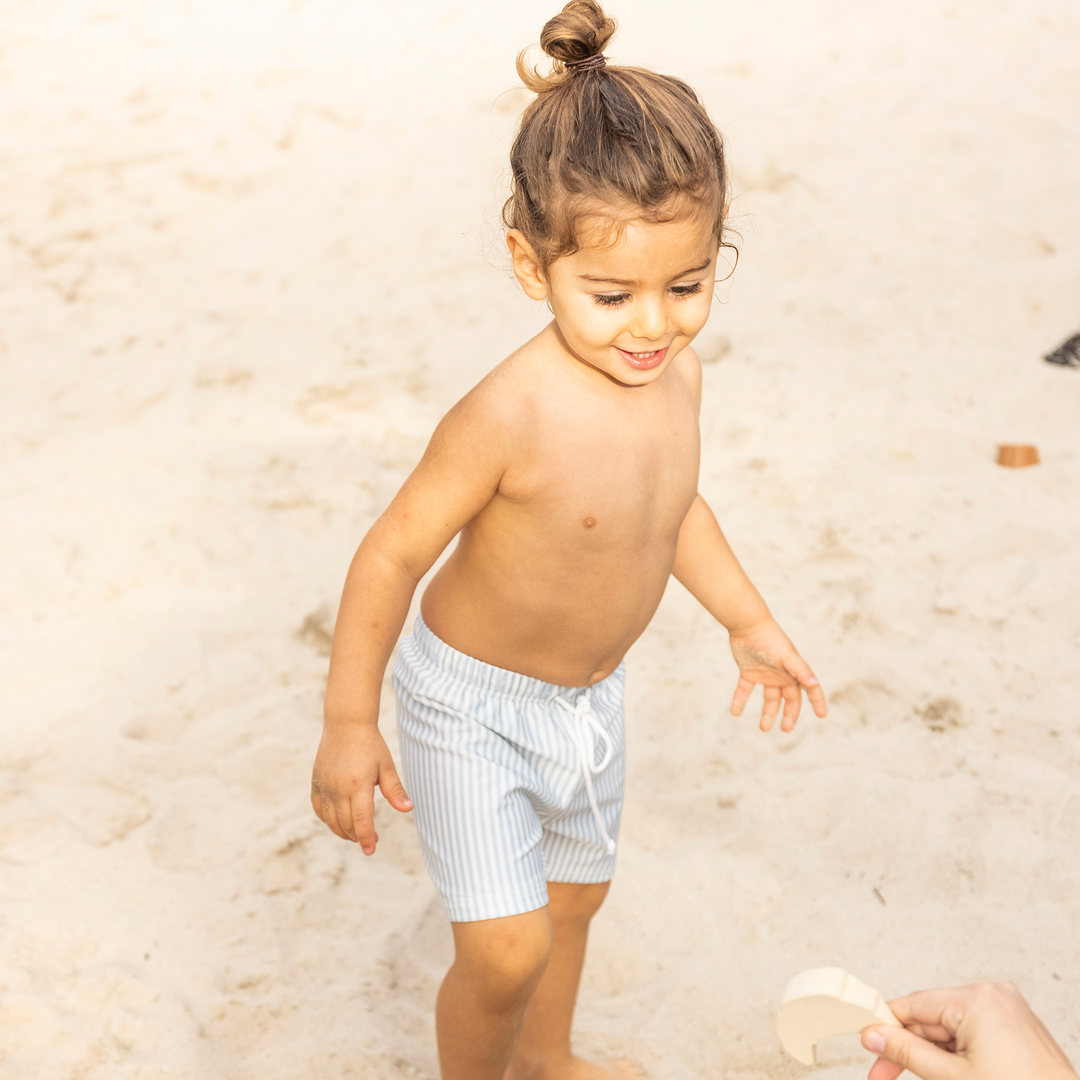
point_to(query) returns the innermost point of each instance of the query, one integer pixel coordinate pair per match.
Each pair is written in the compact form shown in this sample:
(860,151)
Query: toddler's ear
(527,267)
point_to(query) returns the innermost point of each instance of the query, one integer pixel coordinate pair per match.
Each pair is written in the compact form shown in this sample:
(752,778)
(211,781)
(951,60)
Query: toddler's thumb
(905,1048)
(802,671)
(393,790)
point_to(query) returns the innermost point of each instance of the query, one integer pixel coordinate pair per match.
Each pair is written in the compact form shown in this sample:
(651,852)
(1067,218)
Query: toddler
(569,476)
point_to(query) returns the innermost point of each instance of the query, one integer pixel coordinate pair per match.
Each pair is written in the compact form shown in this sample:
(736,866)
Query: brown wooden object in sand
(1017,455)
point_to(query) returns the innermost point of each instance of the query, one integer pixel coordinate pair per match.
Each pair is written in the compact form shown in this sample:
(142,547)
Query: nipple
(589,522)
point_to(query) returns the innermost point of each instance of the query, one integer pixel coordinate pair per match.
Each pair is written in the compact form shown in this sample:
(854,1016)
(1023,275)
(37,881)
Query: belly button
(589,522)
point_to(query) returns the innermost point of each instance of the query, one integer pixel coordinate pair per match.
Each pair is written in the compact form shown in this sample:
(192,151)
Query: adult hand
(981,1032)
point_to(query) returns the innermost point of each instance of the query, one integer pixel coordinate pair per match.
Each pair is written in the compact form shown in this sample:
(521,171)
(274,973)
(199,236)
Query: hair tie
(590,62)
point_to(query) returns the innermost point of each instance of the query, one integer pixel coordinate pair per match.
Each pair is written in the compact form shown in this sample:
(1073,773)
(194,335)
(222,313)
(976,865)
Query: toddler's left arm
(707,567)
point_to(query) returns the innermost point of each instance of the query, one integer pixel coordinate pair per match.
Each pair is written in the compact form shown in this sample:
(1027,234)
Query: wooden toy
(825,1002)
(1017,455)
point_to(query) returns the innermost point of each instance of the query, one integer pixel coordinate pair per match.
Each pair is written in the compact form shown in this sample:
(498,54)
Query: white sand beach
(249,255)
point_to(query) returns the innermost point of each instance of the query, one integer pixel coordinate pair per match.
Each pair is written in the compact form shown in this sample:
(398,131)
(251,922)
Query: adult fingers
(906,1049)
(770,707)
(935,1033)
(882,1069)
(742,692)
(393,789)
(363,821)
(940,1008)
(792,706)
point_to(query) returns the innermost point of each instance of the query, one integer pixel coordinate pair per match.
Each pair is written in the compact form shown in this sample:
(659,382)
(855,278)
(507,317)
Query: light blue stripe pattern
(492,760)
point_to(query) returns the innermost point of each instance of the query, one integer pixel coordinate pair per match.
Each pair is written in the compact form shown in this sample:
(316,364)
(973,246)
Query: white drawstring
(585,727)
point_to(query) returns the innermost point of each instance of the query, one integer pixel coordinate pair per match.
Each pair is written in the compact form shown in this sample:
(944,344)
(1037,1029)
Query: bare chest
(612,478)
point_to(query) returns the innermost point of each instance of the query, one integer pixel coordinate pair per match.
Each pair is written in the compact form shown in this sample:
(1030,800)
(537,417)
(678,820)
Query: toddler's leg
(497,966)
(543,1049)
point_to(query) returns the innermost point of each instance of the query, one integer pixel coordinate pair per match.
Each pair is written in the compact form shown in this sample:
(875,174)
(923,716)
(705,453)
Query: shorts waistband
(487,677)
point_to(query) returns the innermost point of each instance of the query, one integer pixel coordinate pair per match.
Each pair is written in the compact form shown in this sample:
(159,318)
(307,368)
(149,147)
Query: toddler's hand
(766,655)
(983,1032)
(350,763)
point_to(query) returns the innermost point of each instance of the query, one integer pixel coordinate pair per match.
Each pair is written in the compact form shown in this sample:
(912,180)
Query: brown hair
(621,141)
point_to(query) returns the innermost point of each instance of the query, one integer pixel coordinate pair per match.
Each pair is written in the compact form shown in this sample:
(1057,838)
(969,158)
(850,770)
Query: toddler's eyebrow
(620,281)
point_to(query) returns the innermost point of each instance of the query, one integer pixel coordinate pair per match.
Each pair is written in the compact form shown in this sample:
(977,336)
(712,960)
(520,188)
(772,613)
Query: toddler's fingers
(742,692)
(363,821)
(318,800)
(343,810)
(770,707)
(817,700)
(808,681)
(792,707)
(330,818)
(393,789)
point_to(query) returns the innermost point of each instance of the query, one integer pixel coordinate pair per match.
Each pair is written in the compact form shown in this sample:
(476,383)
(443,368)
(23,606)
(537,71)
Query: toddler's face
(628,309)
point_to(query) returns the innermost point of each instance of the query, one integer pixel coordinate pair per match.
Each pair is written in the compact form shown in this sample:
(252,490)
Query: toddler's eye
(686,290)
(611,299)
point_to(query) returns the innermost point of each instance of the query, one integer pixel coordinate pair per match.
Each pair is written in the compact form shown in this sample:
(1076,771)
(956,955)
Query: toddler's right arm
(456,478)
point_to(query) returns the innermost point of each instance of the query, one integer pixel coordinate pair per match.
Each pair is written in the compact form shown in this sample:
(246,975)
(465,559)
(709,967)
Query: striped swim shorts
(515,782)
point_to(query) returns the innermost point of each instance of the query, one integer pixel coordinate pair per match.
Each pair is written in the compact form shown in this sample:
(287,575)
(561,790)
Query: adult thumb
(905,1048)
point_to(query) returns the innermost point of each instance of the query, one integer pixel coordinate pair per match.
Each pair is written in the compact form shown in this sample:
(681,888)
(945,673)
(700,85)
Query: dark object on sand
(1068,355)
(1017,455)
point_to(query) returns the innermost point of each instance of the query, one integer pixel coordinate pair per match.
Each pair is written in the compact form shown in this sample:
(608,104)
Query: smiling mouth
(644,359)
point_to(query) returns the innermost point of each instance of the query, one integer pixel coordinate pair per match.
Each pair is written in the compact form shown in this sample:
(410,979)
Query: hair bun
(581,30)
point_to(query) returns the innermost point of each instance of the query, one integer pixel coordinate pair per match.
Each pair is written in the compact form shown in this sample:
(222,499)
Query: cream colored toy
(825,1002)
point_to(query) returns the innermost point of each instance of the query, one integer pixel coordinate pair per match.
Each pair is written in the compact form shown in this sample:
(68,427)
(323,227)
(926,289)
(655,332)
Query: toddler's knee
(509,963)
(515,970)
(573,903)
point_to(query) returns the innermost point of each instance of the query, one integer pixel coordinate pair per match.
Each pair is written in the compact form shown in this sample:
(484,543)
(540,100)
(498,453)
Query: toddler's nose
(650,321)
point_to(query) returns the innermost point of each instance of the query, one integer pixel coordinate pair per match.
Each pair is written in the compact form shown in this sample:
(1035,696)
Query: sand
(250,255)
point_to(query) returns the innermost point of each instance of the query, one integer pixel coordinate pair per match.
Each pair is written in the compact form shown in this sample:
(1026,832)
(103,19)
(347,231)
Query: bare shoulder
(491,418)
(687,367)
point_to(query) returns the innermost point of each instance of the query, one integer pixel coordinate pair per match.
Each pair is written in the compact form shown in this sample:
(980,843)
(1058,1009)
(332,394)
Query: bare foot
(577,1069)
